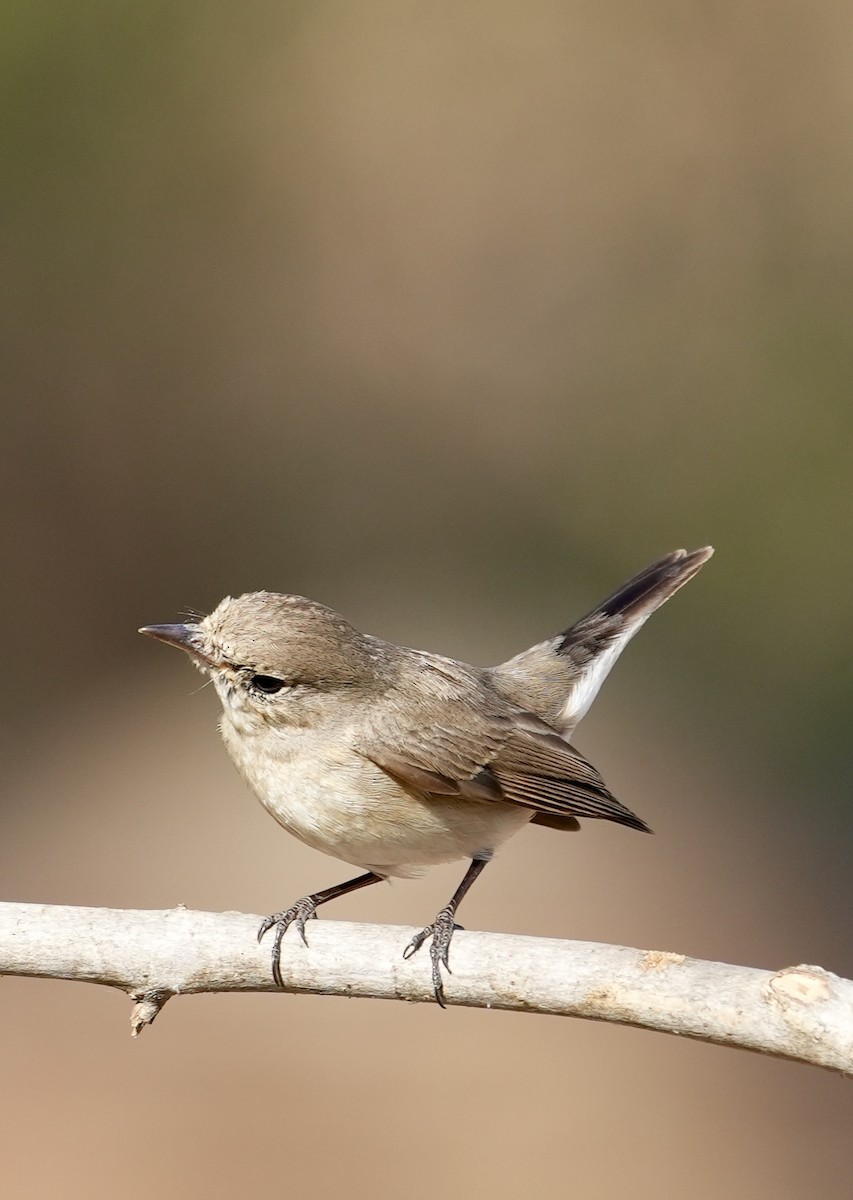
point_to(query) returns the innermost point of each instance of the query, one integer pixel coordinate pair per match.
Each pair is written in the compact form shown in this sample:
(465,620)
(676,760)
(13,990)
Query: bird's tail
(560,678)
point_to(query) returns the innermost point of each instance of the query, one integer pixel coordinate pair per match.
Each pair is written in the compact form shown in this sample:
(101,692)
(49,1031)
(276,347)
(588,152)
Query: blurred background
(452,317)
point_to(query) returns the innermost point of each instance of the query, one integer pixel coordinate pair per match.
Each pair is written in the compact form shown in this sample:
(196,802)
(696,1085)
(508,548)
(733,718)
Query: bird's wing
(495,752)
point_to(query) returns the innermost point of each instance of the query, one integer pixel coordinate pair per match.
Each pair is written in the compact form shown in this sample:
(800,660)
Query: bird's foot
(300,912)
(441,931)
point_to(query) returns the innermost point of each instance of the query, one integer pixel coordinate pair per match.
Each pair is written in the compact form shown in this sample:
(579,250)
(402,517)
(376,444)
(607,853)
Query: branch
(802,1013)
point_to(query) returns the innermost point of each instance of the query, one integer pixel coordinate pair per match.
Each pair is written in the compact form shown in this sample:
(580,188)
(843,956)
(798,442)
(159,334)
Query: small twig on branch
(802,1013)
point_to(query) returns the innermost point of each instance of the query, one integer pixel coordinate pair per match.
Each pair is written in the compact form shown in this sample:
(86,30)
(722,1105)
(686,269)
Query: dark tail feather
(636,599)
(558,679)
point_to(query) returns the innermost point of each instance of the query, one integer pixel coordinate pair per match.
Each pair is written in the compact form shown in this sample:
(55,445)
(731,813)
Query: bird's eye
(267,684)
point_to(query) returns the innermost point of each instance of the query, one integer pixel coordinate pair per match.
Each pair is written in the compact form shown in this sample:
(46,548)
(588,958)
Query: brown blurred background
(452,317)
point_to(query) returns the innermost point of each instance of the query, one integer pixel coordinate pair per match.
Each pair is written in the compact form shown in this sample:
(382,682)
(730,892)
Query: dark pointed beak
(185,637)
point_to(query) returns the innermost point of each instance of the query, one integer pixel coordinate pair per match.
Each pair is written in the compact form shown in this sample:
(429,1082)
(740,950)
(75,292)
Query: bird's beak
(185,637)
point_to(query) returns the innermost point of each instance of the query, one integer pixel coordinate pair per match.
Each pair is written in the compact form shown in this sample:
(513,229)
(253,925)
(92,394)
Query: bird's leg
(304,910)
(441,930)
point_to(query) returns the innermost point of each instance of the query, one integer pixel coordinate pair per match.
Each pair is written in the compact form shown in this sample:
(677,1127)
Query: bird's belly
(341,804)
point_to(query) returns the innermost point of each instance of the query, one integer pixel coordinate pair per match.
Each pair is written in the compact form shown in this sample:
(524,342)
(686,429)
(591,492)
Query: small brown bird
(395,759)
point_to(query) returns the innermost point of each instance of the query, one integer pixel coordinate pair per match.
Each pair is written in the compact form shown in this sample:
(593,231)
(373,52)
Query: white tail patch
(596,671)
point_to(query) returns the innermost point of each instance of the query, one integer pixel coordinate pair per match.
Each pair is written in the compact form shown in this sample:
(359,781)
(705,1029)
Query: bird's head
(271,656)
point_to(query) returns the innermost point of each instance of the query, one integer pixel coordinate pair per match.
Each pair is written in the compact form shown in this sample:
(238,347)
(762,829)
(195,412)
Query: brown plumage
(395,759)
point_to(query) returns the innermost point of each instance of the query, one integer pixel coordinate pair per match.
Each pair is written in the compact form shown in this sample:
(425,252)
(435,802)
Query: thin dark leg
(303,910)
(441,930)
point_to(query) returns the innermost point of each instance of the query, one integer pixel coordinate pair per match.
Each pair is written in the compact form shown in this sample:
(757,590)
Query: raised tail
(560,678)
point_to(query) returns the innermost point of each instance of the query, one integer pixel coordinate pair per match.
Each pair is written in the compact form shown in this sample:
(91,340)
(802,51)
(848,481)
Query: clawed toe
(417,941)
(441,931)
(305,910)
(300,912)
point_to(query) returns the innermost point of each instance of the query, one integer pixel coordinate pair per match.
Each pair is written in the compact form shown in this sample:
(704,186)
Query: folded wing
(509,756)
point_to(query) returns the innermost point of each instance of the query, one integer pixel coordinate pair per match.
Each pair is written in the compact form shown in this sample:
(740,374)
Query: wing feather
(496,752)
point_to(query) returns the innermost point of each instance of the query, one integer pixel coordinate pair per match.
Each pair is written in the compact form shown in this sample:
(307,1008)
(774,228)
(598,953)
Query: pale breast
(338,802)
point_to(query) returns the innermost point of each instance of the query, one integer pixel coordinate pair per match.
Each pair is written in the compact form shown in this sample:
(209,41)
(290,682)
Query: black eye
(268,684)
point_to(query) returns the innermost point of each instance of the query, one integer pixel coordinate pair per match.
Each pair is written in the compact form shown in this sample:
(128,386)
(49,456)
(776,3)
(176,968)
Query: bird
(393,759)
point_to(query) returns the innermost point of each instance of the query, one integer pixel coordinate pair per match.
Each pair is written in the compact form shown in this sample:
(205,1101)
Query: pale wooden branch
(803,1013)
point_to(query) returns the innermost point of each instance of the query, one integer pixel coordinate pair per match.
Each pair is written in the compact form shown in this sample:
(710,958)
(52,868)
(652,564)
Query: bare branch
(803,1013)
